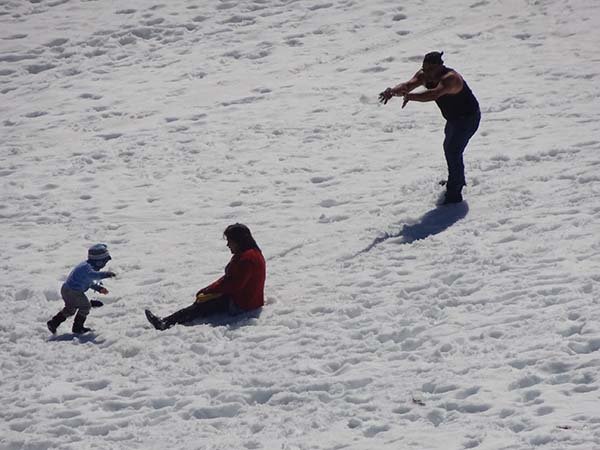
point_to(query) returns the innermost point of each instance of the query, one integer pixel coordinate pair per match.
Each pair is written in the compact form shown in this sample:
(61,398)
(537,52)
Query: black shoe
(81,330)
(78,327)
(156,322)
(55,322)
(51,326)
(452,201)
(451,198)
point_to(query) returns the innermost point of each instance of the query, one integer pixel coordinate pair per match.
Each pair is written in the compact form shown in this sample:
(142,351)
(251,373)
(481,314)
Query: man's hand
(103,290)
(111,274)
(386,95)
(405,100)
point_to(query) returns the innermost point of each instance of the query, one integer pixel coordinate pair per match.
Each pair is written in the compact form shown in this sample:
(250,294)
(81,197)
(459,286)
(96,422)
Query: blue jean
(457,134)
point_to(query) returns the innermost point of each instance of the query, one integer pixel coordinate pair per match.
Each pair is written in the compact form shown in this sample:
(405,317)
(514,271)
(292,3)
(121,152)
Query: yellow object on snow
(201,298)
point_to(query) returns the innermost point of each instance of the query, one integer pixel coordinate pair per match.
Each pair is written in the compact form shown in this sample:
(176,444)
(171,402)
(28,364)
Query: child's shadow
(433,222)
(83,338)
(232,322)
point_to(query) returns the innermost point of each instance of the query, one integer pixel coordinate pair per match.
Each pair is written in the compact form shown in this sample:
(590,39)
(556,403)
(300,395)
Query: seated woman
(241,289)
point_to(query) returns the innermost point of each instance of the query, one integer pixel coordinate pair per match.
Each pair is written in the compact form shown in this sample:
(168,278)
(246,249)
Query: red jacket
(244,280)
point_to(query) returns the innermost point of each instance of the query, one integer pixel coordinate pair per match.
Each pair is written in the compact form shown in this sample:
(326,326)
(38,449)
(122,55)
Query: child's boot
(55,322)
(78,322)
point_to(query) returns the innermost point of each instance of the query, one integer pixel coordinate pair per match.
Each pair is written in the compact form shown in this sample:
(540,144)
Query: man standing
(459,107)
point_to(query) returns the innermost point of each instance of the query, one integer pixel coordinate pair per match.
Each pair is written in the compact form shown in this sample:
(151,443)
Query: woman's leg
(197,310)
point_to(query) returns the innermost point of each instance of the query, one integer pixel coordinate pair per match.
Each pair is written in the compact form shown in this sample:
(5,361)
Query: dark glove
(111,274)
(96,303)
(386,95)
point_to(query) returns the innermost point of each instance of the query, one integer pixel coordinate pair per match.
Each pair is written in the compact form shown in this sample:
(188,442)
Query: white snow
(390,323)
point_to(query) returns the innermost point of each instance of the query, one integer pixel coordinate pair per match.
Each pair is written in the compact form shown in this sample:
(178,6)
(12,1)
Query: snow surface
(390,323)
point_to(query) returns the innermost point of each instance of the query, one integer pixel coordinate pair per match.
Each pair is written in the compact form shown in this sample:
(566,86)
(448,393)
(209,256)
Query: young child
(83,277)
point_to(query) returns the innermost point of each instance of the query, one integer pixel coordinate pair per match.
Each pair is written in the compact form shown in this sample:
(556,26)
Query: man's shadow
(433,222)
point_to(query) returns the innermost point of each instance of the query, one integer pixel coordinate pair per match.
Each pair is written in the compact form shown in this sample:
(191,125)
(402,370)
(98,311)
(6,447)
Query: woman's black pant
(197,310)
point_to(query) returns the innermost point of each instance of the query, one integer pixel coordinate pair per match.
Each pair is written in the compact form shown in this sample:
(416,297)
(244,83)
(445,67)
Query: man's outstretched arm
(410,85)
(447,86)
(402,88)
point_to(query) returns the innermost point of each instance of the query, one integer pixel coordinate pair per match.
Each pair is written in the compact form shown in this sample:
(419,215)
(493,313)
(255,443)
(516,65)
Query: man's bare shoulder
(452,75)
(453,81)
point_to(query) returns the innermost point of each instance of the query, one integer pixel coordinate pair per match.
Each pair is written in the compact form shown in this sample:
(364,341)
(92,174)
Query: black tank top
(458,105)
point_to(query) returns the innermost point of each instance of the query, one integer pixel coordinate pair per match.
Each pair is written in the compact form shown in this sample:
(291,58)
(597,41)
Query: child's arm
(97,275)
(107,274)
(99,288)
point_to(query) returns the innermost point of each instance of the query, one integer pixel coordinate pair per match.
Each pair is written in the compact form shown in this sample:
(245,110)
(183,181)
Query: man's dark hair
(241,235)
(433,58)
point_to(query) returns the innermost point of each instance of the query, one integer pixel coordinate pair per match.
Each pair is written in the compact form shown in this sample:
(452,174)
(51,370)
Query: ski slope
(390,323)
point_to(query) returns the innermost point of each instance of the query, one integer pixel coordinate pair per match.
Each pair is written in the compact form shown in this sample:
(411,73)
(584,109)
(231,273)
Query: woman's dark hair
(241,235)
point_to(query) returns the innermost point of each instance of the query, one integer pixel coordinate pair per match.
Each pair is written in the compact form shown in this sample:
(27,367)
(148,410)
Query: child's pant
(75,301)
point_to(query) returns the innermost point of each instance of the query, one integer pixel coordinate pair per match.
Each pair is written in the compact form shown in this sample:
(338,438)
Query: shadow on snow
(433,222)
(223,319)
(83,338)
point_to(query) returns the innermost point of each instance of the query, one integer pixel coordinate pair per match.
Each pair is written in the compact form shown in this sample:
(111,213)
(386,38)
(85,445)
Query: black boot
(156,322)
(55,322)
(78,327)
(453,195)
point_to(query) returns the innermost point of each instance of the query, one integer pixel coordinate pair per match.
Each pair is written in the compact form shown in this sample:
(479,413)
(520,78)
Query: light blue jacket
(84,277)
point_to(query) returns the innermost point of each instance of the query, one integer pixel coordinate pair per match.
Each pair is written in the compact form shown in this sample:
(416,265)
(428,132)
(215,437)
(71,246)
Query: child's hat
(98,252)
